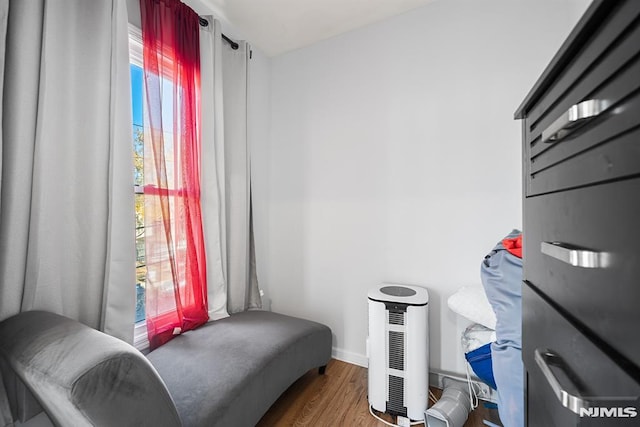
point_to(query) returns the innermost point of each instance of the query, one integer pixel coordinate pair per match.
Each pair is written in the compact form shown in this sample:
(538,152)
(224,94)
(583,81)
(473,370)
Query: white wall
(393,156)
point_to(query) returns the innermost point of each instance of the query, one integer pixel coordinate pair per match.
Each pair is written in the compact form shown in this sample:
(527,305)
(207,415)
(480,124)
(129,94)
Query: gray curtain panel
(213,168)
(4,17)
(242,284)
(66,222)
(6,419)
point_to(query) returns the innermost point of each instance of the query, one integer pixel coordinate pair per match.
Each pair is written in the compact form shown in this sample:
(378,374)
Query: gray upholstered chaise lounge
(239,365)
(225,373)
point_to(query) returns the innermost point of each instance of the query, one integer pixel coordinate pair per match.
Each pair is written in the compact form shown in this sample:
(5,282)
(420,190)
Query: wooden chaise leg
(322,369)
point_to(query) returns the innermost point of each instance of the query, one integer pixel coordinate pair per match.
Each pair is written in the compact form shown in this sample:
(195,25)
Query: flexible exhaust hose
(452,410)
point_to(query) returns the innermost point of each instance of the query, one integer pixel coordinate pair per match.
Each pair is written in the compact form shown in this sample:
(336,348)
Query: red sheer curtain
(176,292)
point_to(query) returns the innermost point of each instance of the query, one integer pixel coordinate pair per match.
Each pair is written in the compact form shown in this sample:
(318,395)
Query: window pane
(138,130)
(138,176)
(141,265)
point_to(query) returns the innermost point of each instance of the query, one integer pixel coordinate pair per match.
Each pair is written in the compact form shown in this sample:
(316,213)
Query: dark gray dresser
(581,290)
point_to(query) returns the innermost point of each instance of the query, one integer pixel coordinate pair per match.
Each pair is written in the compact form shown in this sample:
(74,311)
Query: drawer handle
(575,256)
(575,403)
(576,116)
(570,401)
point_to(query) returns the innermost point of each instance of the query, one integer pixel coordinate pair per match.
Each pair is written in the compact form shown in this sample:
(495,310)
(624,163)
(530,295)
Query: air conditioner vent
(396,318)
(395,404)
(396,350)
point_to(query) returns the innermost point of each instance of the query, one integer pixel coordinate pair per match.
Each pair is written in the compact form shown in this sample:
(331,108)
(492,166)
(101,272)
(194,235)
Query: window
(137,137)
(138,176)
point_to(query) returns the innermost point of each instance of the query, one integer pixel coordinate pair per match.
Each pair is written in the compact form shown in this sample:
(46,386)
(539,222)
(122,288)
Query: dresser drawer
(610,48)
(562,362)
(585,105)
(606,150)
(599,287)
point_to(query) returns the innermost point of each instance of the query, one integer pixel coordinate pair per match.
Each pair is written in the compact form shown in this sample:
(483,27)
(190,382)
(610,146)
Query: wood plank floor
(337,398)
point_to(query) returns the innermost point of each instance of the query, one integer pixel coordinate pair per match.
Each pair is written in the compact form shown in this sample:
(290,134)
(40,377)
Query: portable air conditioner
(398,350)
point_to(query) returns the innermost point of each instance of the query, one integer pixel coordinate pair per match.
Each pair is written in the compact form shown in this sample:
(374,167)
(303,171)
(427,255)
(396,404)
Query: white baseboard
(435,376)
(350,357)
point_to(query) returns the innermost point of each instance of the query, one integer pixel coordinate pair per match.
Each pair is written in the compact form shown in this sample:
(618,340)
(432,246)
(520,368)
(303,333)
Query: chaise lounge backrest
(80,376)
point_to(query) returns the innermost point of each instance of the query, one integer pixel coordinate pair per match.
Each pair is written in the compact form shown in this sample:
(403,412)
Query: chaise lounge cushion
(229,372)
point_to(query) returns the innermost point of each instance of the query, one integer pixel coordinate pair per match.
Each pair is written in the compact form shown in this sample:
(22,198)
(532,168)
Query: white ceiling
(278,26)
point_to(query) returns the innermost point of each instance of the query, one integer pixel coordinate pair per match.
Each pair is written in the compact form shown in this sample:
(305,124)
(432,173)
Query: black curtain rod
(233,44)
